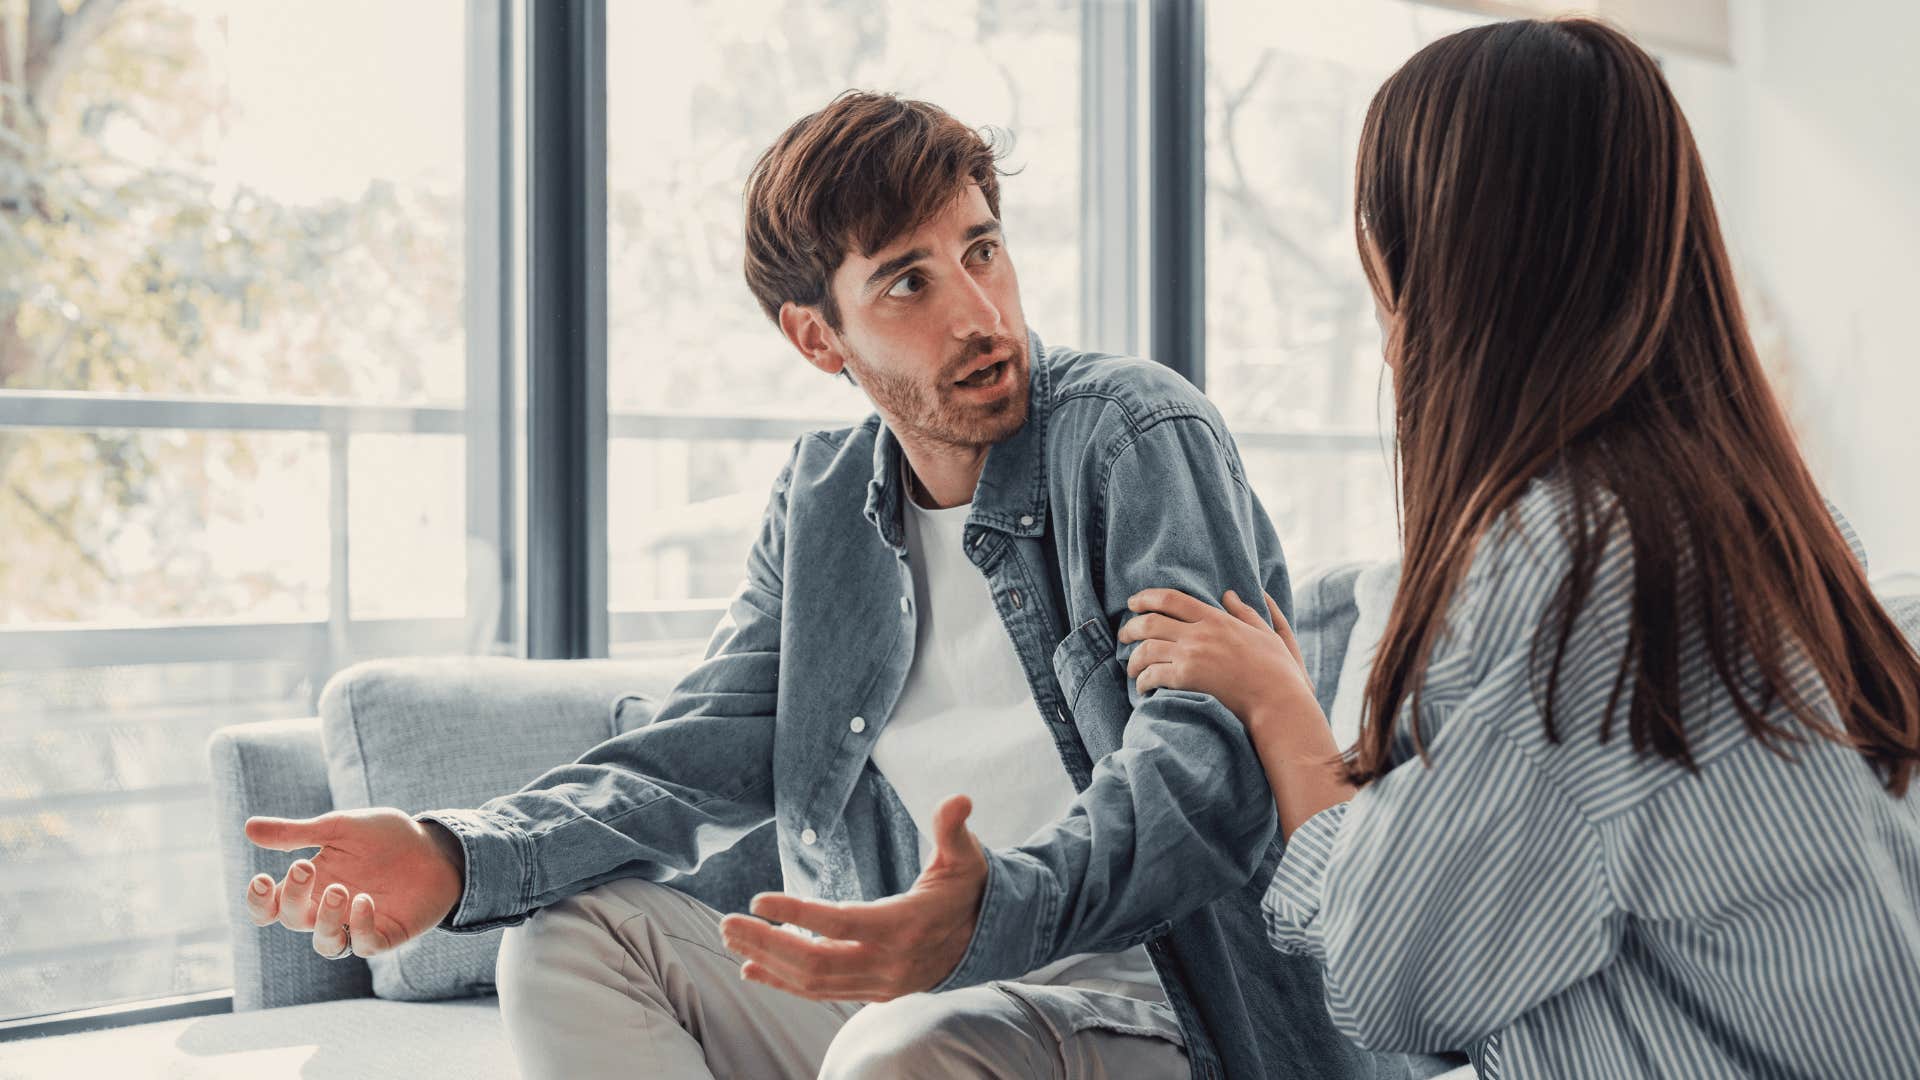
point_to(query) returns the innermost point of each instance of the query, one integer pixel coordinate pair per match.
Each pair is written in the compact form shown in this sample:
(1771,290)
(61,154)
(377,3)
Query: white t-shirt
(966,724)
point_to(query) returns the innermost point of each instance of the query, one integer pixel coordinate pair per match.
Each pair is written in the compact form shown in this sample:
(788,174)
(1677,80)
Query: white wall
(1812,141)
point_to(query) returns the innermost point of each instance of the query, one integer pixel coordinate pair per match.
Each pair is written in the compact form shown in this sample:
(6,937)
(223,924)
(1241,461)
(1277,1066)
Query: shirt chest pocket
(1091,678)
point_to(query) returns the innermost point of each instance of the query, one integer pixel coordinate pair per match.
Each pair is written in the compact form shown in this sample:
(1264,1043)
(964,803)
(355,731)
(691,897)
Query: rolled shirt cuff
(1013,914)
(1292,902)
(497,881)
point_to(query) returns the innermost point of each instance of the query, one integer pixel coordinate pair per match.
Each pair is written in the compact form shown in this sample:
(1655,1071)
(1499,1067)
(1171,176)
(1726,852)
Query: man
(929,614)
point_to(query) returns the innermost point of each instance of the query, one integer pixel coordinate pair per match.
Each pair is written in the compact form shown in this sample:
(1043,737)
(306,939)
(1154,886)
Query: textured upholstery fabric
(1323,615)
(335,1040)
(431,733)
(272,768)
(549,712)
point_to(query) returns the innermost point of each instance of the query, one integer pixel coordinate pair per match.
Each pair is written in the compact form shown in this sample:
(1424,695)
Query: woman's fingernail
(260,886)
(334,897)
(300,873)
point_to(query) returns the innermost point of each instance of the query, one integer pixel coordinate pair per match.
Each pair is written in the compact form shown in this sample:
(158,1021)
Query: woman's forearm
(1302,764)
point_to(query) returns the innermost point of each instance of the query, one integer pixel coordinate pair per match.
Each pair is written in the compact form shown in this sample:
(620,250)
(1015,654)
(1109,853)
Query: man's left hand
(873,951)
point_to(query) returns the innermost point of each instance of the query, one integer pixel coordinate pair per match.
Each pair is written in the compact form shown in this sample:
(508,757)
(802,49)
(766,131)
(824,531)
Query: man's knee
(918,1036)
(573,936)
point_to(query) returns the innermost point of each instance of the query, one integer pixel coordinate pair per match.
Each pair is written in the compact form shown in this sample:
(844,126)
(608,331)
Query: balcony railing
(325,643)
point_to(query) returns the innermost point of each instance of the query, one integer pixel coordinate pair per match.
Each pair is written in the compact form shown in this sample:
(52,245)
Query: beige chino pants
(630,979)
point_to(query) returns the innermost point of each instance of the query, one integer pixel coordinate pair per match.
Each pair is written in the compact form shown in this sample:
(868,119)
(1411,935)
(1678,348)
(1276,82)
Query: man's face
(932,329)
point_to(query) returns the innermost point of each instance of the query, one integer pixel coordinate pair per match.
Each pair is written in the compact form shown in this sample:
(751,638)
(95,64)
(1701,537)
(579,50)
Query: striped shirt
(1577,910)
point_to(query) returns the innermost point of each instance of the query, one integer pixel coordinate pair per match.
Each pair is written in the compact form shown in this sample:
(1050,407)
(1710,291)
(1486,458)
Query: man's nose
(975,313)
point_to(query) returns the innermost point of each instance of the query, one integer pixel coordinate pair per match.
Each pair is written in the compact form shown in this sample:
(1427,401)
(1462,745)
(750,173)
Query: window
(238,446)
(705,396)
(1293,352)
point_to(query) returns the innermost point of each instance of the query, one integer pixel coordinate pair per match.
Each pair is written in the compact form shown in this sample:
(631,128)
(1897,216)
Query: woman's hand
(1257,672)
(1254,670)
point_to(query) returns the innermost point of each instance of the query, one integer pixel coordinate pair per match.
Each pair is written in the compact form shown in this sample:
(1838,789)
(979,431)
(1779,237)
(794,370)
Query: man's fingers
(820,990)
(754,971)
(296,896)
(362,928)
(951,839)
(1171,602)
(329,927)
(845,922)
(289,834)
(263,900)
(757,940)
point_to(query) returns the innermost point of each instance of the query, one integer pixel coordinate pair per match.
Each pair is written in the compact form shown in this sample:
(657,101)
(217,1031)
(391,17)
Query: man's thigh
(1000,1030)
(634,975)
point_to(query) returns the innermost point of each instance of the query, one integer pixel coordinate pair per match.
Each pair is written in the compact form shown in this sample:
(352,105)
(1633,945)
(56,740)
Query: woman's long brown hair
(1560,297)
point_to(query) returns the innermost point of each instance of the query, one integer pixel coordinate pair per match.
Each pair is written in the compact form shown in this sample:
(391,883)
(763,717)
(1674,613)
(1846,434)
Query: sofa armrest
(1324,612)
(274,768)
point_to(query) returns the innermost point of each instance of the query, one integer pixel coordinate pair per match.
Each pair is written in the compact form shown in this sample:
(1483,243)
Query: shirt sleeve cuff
(1013,915)
(1292,902)
(497,875)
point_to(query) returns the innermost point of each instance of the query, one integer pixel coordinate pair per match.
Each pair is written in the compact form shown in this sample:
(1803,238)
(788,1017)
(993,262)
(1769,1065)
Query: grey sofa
(282,768)
(299,768)
(490,725)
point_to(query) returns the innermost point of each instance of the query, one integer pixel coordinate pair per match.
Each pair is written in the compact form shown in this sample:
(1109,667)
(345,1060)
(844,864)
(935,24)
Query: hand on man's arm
(1180,814)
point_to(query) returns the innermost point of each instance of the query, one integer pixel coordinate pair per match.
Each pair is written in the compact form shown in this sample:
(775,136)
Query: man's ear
(807,329)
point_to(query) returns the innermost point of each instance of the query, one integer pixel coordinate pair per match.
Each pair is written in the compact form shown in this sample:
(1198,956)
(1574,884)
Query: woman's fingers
(1146,627)
(1239,609)
(1285,630)
(1171,602)
(1149,653)
(1157,677)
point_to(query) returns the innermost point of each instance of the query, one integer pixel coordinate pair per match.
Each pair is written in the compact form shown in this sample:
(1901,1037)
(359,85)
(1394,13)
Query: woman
(1630,794)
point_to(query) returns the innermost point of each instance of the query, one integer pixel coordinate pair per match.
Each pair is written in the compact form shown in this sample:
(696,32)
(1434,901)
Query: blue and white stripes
(1592,912)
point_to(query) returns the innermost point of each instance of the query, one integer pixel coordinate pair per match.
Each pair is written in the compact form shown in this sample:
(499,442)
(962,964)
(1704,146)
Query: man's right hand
(380,878)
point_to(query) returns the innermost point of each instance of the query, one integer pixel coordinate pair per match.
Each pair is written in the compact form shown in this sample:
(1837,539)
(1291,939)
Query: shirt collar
(1012,494)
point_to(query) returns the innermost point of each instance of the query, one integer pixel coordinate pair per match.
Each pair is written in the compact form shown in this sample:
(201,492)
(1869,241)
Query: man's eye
(906,286)
(987,251)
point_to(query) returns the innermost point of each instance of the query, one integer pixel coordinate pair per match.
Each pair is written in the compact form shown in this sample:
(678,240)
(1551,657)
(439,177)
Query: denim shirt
(1122,477)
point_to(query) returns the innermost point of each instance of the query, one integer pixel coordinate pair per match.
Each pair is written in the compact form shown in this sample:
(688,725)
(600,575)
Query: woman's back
(1752,918)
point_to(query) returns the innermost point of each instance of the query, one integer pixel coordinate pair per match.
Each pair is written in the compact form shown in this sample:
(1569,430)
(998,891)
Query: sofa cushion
(333,1040)
(430,734)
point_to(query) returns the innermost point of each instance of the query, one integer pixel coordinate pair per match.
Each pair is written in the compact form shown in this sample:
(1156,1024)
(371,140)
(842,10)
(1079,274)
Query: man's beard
(934,409)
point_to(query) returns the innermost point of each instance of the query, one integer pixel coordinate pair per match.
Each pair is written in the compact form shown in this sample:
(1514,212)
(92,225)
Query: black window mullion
(1177,185)
(566,563)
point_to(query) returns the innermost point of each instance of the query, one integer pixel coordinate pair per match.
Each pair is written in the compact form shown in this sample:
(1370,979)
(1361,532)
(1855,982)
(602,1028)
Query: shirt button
(809,837)
(905,606)
(858,724)
(1015,595)
(1026,520)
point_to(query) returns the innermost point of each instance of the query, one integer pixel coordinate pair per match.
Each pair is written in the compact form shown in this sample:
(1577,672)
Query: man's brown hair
(855,175)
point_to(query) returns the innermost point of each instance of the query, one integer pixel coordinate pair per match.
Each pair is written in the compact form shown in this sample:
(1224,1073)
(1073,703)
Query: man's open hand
(874,951)
(380,878)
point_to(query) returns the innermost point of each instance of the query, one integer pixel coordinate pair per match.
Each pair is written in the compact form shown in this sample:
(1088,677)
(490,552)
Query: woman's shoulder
(1529,552)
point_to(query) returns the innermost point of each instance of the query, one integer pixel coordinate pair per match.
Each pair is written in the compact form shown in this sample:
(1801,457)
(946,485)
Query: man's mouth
(985,376)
